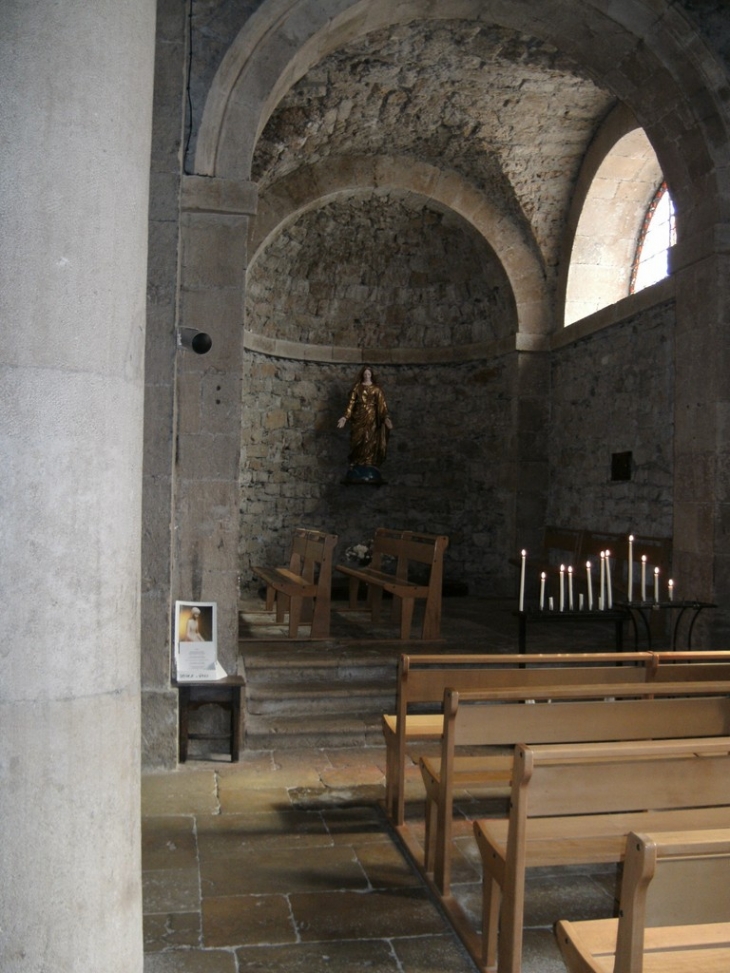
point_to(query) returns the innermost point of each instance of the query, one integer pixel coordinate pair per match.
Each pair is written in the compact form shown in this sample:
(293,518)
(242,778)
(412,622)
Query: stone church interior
(218,215)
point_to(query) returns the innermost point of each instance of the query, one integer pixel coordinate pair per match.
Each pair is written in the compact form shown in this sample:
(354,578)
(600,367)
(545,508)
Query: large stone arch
(649,58)
(305,189)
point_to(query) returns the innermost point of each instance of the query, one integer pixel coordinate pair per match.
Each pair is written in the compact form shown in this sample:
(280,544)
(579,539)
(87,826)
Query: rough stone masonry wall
(445,469)
(613,393)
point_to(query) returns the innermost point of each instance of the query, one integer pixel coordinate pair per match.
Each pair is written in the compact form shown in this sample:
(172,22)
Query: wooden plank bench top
(577,713)
(661,929)
(577,803)
(307,580)
(407,548)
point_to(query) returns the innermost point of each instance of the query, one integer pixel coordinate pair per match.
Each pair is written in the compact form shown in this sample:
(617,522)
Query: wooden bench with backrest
(574,713)
(417,575)
(674,911)
(422,680)
(576,804)
(304,588)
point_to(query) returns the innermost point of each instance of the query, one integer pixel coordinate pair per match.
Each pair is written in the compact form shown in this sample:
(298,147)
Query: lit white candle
(570,587)
(522,581)
(609,590)
(551,603)
(542,591)
(602,595)
(631,567)
(562,587)
(590,586)
(670,585)
(643,577)
(656,585)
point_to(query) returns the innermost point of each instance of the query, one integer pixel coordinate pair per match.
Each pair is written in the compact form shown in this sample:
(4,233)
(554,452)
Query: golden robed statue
(367,413)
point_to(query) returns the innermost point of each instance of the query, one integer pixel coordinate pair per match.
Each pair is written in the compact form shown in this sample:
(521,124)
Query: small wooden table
(225,693)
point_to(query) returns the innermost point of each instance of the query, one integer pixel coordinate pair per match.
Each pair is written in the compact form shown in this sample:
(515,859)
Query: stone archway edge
(299,351)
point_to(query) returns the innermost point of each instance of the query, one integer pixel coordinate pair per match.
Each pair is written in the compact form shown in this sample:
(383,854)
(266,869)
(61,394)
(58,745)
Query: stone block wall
(446,471)
(612,392)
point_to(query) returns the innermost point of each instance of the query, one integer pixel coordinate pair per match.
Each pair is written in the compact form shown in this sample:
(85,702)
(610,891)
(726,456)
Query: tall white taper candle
(522,581)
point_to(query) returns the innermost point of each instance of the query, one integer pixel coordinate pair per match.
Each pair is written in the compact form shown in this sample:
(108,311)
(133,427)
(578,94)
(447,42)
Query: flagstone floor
(284,863)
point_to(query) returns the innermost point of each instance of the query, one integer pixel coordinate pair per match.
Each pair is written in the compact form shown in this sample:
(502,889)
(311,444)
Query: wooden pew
(410,550)
(422,680)
(307,579)
(577,803)
(674,910)
(577,713)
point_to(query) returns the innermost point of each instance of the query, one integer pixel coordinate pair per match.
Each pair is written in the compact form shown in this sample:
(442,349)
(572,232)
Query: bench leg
(491,897)
(429,849)
(270,597)
(295,614)
(432,619)
(282,605)
(406,617)
(391,771)
(375,599)
(354,589)
(321,618)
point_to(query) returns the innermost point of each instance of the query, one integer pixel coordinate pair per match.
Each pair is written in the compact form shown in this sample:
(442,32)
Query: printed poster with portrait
(196,641)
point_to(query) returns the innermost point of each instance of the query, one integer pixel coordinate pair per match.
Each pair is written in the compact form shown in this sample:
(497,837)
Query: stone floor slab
(180,792)
(168,842)
(359,956)
(432,954)
(169,929)
(171,890)
(284,870)
(374,915)
(247,920)
(191,961)
(238,835)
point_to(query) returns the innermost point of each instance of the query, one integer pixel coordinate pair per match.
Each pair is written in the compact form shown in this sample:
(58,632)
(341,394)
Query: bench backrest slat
(585,720)
(605,779)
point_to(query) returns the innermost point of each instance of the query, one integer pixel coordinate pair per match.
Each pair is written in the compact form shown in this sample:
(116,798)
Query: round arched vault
(379,271)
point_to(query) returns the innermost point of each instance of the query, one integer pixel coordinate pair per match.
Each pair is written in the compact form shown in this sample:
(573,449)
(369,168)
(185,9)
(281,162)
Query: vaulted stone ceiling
(508,112)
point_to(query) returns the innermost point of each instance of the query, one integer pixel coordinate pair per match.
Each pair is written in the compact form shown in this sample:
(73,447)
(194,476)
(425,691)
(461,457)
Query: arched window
(658,233)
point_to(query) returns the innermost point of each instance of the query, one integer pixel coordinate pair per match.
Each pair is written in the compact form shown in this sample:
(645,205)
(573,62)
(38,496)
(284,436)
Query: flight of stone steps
(316,695)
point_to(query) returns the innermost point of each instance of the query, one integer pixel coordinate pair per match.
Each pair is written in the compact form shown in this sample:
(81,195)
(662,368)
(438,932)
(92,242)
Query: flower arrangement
(361,553)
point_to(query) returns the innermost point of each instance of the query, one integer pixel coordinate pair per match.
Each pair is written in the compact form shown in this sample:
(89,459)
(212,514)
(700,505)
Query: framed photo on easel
(196,641)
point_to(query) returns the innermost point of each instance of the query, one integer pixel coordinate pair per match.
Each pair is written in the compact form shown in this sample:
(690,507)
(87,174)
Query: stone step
(309,698)
(327,731)
(327,666)
(324,694)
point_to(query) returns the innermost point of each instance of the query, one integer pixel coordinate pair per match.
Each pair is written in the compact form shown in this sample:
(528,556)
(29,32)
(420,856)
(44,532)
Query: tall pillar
(701,558)
(76,79)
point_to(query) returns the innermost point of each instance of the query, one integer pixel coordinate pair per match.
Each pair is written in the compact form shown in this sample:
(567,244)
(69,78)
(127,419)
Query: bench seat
(304,588)
(410,550)
(661,928)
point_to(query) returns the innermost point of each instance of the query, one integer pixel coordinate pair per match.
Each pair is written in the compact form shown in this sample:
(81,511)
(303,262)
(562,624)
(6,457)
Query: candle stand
(641,611)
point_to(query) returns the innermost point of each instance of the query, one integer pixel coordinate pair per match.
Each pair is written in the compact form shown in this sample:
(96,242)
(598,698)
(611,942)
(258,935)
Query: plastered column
(75,130)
